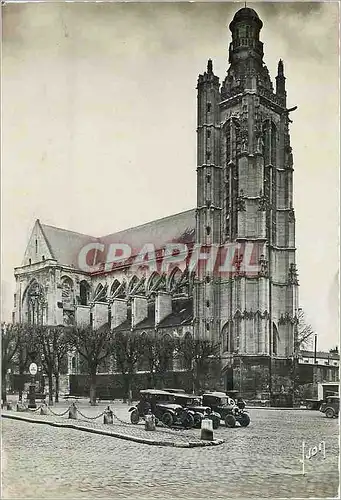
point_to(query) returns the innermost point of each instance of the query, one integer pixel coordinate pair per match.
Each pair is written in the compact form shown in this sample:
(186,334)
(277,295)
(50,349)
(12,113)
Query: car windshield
(224,401)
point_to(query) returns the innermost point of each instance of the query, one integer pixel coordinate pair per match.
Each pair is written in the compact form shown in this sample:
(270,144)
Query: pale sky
(99,123)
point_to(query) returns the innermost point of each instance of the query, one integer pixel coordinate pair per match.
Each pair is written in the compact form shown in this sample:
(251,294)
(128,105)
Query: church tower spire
(247,69)
(245,200)
(280,81)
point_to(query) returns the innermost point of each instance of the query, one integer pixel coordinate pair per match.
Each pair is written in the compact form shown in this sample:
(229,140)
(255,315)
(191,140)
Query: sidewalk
(90,419)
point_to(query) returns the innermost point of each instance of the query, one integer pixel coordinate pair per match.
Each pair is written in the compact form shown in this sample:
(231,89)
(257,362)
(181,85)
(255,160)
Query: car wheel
(309,406)
(167,419)
(244,419)
(189,421)
(330,413)
(230,421)
(197,420)
(134,417)
(215,423)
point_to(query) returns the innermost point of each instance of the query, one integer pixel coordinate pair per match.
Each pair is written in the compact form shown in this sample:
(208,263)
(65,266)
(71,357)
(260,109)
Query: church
(244,201)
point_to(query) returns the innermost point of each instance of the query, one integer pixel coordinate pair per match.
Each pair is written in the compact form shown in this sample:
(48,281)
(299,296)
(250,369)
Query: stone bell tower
(245,196)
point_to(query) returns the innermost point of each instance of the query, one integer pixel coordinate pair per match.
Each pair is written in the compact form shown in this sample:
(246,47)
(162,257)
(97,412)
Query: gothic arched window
(100,293)
(132,284)
(227,337)
(152,282)
(36,303)
(84,293)
(269,143)
(114,287)
(275,338)
(67,292)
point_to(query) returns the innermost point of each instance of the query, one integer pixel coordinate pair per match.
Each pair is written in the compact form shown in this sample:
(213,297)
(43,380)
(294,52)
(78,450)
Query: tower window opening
(207,303)
(208,279)
(208,107)
(43,258)
(208,230)
(208,178)
(208,133)
(29,261)
(36,246)
(208,155)
(207,326)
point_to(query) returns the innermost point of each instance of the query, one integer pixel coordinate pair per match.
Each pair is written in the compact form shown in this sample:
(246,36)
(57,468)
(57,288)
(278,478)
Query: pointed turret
(280,80)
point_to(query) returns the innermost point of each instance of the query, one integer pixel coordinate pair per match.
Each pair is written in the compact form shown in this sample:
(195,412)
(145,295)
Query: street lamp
(32,388)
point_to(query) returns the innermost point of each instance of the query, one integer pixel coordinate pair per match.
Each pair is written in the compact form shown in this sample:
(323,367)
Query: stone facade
(244,196)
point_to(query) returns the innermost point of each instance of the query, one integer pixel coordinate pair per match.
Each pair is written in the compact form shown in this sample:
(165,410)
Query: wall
(110,386)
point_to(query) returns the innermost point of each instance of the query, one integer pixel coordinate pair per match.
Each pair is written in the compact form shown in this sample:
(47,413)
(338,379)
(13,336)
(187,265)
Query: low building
(315,369)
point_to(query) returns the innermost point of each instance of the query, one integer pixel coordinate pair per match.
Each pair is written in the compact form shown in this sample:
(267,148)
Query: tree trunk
(126,386)
(129,390)
(196,379)
(3,386)
(21,380)
(56,376)
(93,387)
(152,379)
(50,379)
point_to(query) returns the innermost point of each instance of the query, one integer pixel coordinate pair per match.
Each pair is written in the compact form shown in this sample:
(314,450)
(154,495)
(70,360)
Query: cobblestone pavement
(260,461)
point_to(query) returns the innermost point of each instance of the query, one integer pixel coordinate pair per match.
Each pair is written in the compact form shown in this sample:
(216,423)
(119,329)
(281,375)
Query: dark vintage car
(161,404)
(175,391)
(331,406)
(227,408)
(194,405)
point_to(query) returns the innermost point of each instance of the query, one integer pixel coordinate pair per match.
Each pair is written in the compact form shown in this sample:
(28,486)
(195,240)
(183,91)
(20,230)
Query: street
(262,460)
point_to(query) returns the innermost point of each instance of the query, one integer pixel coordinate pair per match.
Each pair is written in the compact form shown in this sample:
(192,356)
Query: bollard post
(9,406)
(149,424)
(108,416)
(21,406)
(73,411)
(206,429)
(43,409)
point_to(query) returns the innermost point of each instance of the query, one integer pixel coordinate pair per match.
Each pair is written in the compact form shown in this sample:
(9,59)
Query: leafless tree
(9,348)
(159,352)
(305,332)
(197,355)
(127,349)
(94,345)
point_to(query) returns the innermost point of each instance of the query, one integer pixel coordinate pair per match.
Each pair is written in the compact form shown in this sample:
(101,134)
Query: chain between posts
(90,418)
(160,423)
(58,414)
(36,409)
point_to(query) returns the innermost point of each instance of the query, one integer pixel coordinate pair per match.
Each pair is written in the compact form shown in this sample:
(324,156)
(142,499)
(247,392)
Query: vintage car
(331,406)
(228,410)
(194,405)
(175,391)
(161,404)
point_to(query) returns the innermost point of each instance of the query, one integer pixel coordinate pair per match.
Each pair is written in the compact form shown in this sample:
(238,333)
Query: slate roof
(149,321)
(182,316)
(178,228)
(65,245)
